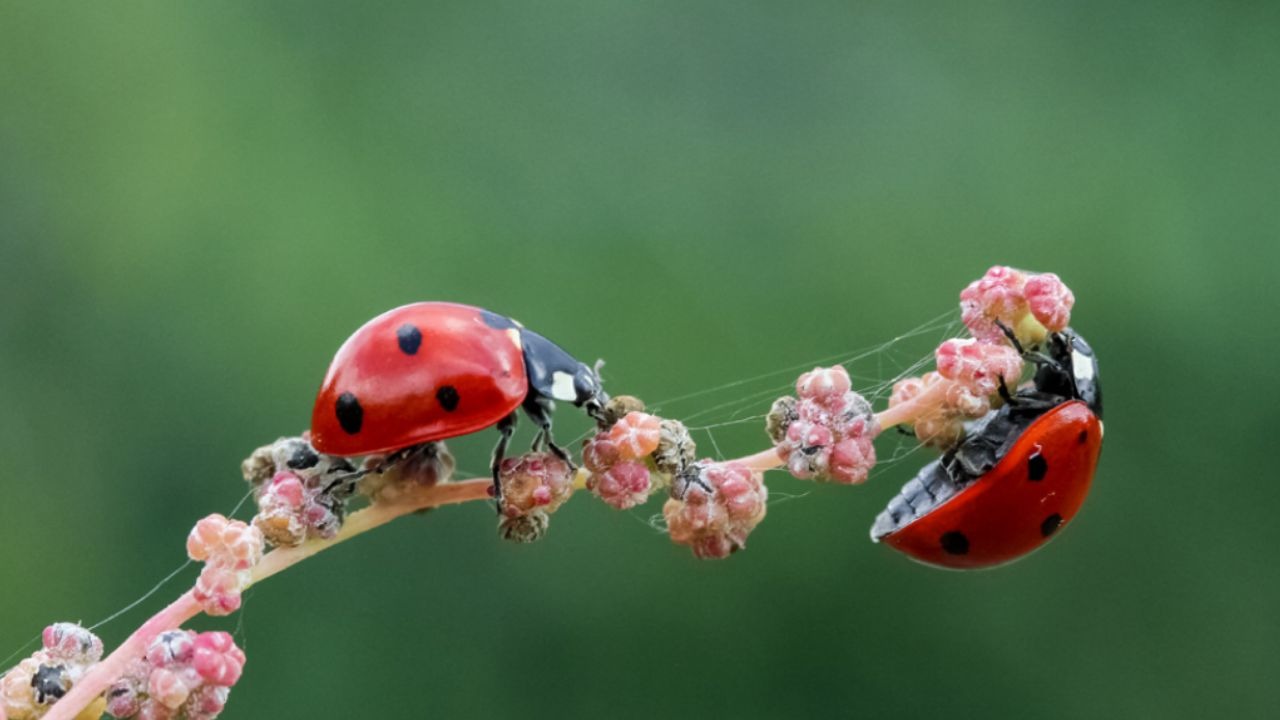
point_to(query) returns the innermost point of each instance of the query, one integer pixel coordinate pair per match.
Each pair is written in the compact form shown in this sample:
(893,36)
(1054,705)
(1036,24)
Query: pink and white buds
(28,690)
(1006,296)
(182,675)
(635,457)
(636,435)
(229,548)
(980,367)
(623,485)
(71,643)
(229,543)
(714,507)
(534,482)
(1050,301)
(217,659)
(827,433)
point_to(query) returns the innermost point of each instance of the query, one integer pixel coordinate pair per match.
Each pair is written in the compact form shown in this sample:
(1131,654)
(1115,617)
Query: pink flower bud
(230,543)
(822,383)
(637,434)
(217,659)
(715,508)
(600,453)
(174,647)
(285,488)
(168,687)
(979,366)
(1050,301)
(623,486)
(996,296)
(218,589)
(852,459)
(71,643)
(535,481)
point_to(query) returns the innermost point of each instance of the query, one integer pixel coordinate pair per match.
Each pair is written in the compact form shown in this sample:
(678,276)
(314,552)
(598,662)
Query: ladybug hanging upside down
(1020,474)
(433,370)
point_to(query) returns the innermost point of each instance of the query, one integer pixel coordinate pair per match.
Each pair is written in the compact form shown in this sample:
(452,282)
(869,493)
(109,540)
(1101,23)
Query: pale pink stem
(911,410)
(95,682)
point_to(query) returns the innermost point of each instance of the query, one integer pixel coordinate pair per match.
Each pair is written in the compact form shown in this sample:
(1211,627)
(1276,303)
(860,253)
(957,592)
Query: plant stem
(96,681)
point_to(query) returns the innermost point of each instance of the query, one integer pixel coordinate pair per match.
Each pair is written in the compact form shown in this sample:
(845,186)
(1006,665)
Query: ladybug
(1017,478)
(435,370)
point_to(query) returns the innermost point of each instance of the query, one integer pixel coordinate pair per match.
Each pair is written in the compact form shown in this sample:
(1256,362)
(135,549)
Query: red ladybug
(1021,473)
(434,370)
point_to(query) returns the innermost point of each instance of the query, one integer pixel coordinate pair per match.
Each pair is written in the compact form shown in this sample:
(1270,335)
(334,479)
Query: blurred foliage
(199,201)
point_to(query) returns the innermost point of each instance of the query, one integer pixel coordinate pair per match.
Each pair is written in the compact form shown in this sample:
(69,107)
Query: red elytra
(418,373)
(1006,513)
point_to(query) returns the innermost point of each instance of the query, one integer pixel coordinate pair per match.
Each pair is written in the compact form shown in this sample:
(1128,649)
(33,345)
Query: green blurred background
(200,201)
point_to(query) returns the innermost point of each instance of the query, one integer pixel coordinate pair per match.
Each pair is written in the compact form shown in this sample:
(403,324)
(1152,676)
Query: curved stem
(96,681)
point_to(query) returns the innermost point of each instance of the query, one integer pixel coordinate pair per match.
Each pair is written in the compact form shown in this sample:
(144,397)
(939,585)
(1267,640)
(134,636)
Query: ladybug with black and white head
(1020,474)
(431,371)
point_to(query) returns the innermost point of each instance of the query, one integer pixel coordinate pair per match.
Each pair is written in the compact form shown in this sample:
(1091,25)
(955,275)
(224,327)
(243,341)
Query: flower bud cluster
(66,654)
(182,675)
(827,433)
(972,371)
(534,485)
(636,455)
(714,507)
(1007,296)
(299,491)
(229,549)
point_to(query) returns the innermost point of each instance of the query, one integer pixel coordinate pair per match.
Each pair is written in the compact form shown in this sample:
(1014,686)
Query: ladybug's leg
(506,426)
(539,410)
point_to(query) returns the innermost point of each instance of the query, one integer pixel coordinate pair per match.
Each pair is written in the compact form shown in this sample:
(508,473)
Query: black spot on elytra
(448,397)
(1084,437)
(410,338)
(1037,466)
(496,321)
(1050,524)
(350,414)
(303,457)
(955,543)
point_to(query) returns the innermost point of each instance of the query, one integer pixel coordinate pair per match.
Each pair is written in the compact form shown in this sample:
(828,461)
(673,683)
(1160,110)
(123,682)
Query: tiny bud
(822,383)
(781,415)
(995,297)
(714,507)
(526,528)
(174,647)
(168,687)
(1050,301)
(217,659)
(979,366)
(72,643)
(618,408)
(676,448)
(600,453)
(623,486)
(637,434)
(534,481)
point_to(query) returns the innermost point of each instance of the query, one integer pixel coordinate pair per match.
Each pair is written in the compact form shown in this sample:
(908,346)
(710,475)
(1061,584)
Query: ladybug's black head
(1073,372)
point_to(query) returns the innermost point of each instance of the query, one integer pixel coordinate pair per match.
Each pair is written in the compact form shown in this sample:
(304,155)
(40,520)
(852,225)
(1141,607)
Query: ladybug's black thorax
(554,374)
(1070,371)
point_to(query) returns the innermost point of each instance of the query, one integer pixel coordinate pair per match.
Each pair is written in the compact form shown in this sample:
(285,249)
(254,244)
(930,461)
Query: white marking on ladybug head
(514,334)
(562,387)
(1082,365)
